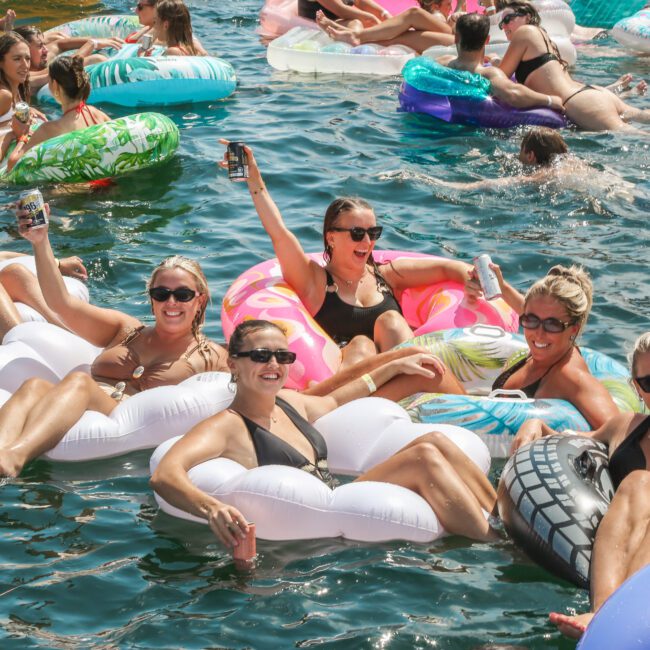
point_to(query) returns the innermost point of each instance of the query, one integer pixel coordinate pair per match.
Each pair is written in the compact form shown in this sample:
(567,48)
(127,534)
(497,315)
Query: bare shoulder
(618,427)
(526,33)
(296,399)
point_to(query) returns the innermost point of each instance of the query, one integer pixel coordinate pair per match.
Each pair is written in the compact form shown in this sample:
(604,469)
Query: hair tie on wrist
(372,387)
(549,101)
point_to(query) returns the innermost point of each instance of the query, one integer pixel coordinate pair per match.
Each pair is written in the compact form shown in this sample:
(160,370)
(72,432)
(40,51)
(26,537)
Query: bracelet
(372,387)
(549,101)
(23,139)
(491,9)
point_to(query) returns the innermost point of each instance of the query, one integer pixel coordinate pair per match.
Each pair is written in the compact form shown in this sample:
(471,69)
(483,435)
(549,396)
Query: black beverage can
(32,202)
(237,162)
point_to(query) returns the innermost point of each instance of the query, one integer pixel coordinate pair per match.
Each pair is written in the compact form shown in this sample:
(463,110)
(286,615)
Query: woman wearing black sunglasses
(353,299)
(536,62)
(136,357)
(553,313)
(266,425)
(622,544)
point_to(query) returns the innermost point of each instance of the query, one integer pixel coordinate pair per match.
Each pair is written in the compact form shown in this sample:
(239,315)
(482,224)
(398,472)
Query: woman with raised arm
(267,425)
(553,313)
(622,544)
(355,300)
(136,357)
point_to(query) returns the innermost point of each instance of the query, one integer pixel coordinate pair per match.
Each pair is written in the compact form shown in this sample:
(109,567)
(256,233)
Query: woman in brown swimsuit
(535,61)
(622,545)
(136,357)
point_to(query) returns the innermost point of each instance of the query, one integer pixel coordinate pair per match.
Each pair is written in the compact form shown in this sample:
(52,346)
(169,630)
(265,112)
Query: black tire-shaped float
(552,495)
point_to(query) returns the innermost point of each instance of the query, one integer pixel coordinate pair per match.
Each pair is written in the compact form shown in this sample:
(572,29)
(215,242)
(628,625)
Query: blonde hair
(195,270)
(641,346)
(571,286)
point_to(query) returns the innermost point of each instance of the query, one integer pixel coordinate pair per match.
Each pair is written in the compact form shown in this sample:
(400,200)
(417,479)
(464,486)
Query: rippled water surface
(85,559)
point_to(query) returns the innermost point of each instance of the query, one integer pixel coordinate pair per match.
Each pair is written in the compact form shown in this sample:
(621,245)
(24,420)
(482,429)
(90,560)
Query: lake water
(85,559)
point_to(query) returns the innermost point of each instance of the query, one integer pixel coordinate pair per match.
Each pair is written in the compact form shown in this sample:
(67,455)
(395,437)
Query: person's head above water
(362,218)
(36,42)
(472,32)
(541,145)
(67,75)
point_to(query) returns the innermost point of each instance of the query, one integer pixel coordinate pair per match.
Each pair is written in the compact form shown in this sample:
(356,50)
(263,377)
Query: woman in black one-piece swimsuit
(622,544)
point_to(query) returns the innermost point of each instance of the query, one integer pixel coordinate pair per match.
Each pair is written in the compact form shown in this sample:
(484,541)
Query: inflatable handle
(491,331)
(504,392)
(586,466)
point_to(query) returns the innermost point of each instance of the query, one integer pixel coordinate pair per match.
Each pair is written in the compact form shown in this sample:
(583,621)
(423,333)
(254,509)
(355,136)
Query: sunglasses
(644,383)
(162,294)
(263,355)
(141,5)
(358,233)
(550,325)
(506,20)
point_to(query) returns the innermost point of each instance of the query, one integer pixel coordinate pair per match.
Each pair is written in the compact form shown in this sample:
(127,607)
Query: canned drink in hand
(487,277)
(21,111)
(146,41)
(237,162)
(32,202)
(246,549)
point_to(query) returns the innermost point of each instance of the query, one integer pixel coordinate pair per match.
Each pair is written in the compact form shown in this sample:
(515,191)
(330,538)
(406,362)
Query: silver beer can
(487,277)
(146,41)
(21,111)
(237,162)
(32,202)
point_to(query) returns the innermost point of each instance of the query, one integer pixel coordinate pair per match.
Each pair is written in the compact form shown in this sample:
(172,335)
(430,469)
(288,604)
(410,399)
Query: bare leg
(622,547)
(414,18)
(9,316)
(358,349)
(391,329)
(51,418)
(421,467)
(13,413)
(22,285)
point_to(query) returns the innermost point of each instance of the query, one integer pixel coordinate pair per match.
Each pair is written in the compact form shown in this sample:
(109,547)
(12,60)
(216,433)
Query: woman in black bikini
(267,425)
(70,86)
(535,61)
(353,299)
(553,313)
(622,544)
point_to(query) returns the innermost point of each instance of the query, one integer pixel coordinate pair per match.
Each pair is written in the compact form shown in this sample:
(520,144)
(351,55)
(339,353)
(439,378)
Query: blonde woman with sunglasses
(135,356)
(552,314)
(355,300)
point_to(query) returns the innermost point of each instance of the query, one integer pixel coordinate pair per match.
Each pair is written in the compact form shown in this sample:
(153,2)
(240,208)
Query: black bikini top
(629,456)
(343,321)
(272,450)
(525,68)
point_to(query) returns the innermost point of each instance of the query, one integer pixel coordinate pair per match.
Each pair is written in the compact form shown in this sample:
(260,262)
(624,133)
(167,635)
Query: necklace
(349,283)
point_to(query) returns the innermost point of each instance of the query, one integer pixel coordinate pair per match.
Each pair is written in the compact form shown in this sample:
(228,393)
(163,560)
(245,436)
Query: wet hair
(195,270)
(247,327)
(334,209)
(571,286)
(7,41)
(28,32)
(545,143)
(179,29)
(528,9)
(472,31)
(69,73)
(641,346)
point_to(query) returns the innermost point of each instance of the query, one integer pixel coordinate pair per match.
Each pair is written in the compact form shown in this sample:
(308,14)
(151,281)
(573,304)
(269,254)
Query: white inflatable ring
(142,421)
(288,503)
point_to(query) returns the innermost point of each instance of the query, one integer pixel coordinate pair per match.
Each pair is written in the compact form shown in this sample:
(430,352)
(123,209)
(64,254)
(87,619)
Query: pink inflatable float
(262,293)
(279,16)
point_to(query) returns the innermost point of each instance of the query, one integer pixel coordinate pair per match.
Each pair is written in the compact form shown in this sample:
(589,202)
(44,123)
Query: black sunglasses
(162,294)
(263,355)
(358,233)
(510,17)
(644,383)
(550,325)
(141,5)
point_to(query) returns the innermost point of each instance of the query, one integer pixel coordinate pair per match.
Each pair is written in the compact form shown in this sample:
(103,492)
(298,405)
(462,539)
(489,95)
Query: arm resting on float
(518,95)
(408,272)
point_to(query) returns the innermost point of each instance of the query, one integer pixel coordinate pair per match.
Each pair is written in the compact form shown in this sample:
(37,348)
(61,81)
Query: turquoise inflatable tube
(99,151)
(163,81)
(117,26)
(476,356)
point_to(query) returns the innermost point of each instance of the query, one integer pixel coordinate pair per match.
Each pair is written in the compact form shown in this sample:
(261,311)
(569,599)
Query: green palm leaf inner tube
(99,151)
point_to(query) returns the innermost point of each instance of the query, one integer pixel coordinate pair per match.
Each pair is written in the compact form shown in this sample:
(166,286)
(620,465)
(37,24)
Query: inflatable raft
(633,33)
(117,26)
